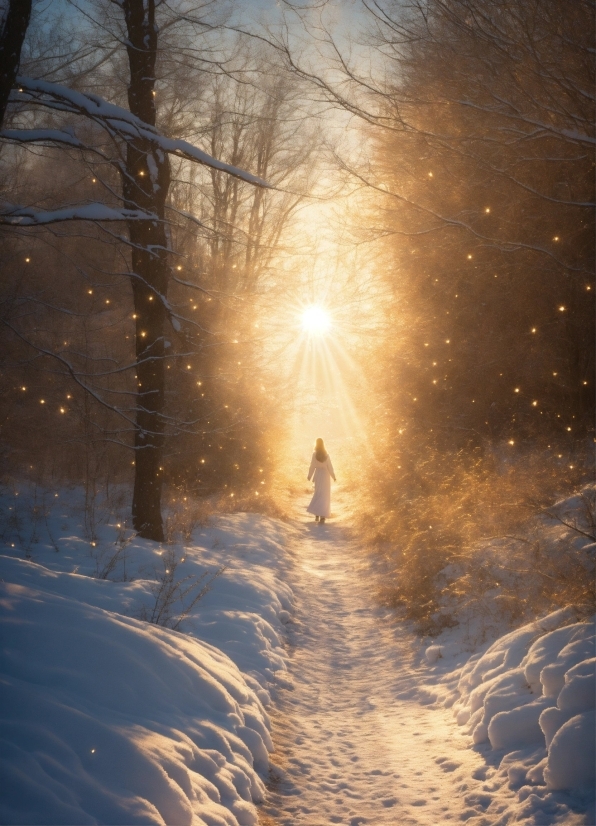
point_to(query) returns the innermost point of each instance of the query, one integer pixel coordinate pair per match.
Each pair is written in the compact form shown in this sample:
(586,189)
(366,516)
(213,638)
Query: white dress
(320,504)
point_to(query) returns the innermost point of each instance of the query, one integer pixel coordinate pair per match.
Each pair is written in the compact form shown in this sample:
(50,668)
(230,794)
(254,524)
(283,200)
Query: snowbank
(530,698)
(533,688)
(105,718)
(526,701)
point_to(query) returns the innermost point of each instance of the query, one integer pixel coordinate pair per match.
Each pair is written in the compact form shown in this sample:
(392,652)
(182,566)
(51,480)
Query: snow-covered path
(354,744)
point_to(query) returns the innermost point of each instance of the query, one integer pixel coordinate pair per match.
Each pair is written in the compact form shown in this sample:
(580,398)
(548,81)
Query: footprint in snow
(450,766)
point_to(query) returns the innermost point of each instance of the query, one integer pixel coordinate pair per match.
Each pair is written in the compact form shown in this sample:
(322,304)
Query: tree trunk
(146,181)
(11,42)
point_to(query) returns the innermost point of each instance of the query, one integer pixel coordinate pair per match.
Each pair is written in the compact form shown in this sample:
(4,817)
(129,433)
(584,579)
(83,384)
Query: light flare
(316,320)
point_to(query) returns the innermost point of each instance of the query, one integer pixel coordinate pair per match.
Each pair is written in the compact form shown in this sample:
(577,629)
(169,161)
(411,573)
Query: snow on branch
(28,217)
(62,136)
(117,121)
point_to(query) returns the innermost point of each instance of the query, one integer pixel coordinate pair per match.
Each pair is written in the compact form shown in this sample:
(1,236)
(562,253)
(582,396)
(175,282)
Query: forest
(461,296)
(227,229)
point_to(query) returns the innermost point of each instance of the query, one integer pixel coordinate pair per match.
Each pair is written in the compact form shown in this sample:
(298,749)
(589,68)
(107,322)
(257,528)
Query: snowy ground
(372,731)
(355,744)
(106,718)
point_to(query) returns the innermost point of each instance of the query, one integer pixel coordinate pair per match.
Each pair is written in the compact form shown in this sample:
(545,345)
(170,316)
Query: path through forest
(354,745)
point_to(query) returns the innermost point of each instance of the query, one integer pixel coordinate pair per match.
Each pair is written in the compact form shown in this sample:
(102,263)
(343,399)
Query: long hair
(320,452)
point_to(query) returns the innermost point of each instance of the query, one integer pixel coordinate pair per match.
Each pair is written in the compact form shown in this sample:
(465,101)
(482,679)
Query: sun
(316,321)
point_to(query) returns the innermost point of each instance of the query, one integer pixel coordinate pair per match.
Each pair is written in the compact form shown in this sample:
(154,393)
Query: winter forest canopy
(228,229)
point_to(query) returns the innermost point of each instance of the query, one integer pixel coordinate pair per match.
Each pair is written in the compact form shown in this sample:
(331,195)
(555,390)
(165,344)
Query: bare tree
(12,35)
(139,154)
(255,116)
(145,184)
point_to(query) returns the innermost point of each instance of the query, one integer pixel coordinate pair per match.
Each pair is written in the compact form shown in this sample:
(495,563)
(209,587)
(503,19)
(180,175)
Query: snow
(128,712)
(504,678)
(433,653)
(116,120)
(531,696)
(63,136)
(356,742)
(580,688)
(105,718)
(378,727)
(527,703)
(571,755)
(27,216)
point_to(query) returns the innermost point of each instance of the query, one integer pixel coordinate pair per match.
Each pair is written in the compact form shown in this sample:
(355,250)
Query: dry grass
(184,512)
(266,820)
(472,532)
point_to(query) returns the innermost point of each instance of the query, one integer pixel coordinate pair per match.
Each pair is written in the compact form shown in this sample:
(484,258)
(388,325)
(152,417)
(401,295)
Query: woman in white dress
(322,469)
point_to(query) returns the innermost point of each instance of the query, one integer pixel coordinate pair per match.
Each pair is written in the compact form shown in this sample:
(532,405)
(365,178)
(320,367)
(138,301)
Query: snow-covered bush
(531,695)
(175,595)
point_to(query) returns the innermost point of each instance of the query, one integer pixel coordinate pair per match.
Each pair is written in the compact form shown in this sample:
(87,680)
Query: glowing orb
(316,321)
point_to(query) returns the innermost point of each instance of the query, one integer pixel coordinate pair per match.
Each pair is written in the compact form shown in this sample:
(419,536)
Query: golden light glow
(315,321)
